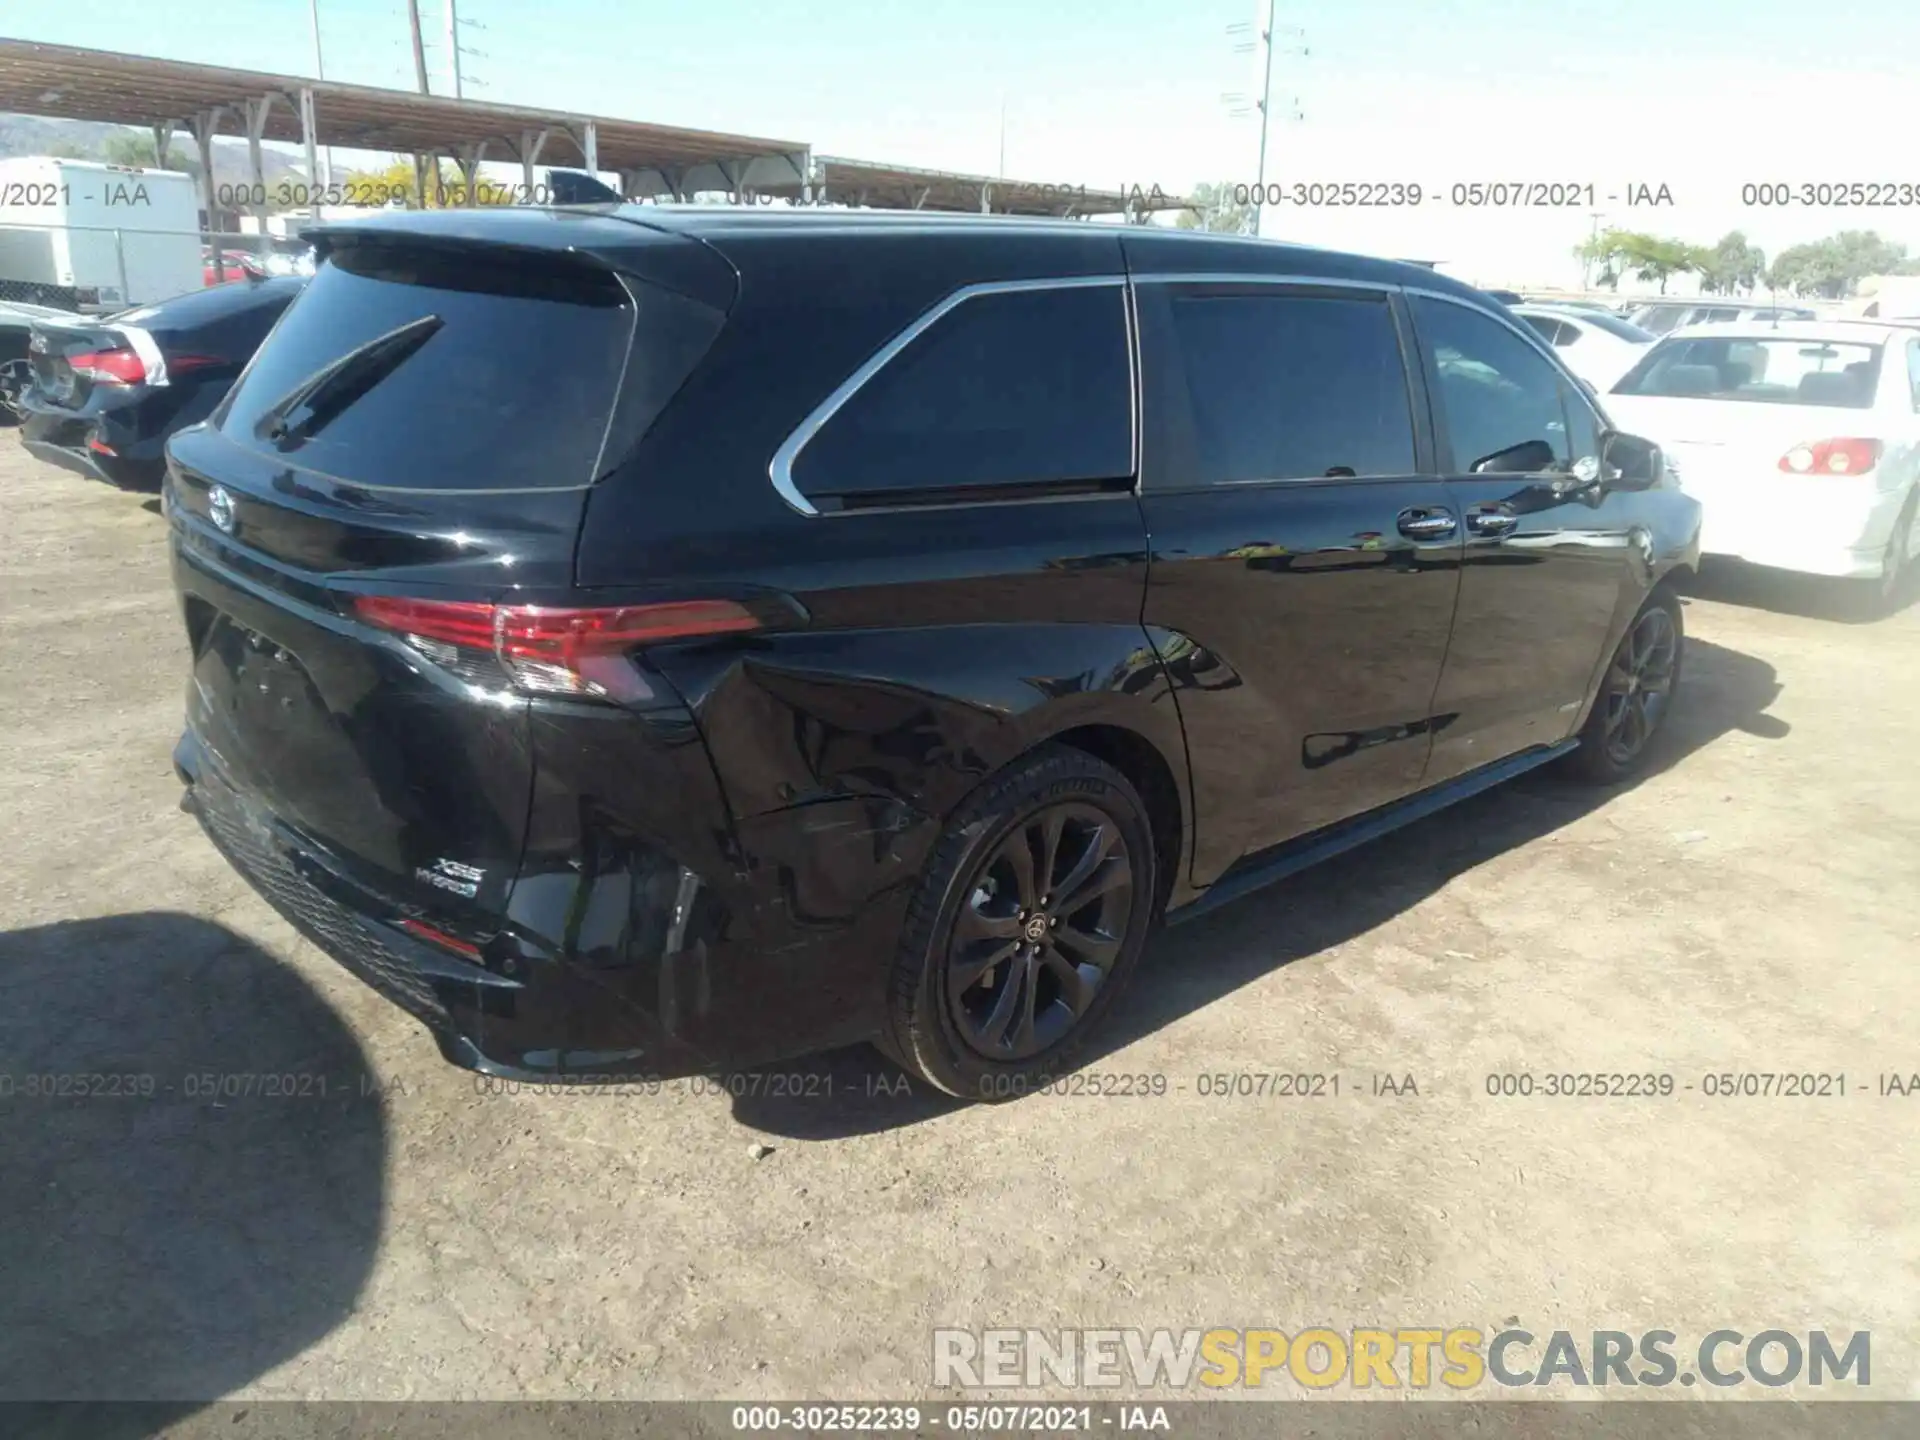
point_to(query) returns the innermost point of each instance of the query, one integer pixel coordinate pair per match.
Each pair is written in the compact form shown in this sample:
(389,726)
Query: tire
(999,1030)
(1623,729)
(1884,595)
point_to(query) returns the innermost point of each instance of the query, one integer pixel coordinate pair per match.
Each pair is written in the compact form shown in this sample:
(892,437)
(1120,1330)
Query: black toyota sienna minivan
(645,640)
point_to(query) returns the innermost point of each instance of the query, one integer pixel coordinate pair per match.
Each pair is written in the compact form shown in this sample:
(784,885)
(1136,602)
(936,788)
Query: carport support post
(532,142)
(162,143)
(590,148)
(468,158)
(307,127)
(257,112)
(204,124)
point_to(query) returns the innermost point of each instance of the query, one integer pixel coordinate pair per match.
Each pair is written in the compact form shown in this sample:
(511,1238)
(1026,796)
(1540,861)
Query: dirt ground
(1753,906)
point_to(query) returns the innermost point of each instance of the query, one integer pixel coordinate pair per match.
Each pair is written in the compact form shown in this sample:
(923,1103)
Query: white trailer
(82,235)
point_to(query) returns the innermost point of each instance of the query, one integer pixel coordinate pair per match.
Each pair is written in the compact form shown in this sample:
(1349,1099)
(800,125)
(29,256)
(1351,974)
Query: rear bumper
(523,1026)
(1843,534)
(758,983)
(61,438)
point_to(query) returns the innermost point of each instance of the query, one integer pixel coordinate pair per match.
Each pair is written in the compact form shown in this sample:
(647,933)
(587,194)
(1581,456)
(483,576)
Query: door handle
(1492,520)
(1419,524)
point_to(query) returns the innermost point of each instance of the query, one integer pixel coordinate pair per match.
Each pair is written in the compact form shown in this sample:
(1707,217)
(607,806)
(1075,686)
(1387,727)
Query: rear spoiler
(576,187)
(592,236)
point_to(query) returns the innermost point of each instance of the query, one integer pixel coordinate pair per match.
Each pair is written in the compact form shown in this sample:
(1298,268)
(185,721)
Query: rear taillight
(433,935)
(1832,457)
(180,364)
(552,651)
(109,367)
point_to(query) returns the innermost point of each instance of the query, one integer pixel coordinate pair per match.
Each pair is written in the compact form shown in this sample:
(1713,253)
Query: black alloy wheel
(1038,933)
(1636,694)
(1639,685)
(1027,924)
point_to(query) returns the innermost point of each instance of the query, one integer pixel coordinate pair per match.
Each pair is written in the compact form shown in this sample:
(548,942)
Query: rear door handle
(1492,520)
(1421,524)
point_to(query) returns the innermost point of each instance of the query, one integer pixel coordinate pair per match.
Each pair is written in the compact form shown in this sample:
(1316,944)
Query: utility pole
(453,50)
(1586,264)
(419,50)
(420,79)
(320,73)
(1266,117)
(1003,130)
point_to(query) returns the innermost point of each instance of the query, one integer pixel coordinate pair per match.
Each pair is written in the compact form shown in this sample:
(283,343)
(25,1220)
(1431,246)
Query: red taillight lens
(438,937)
(557,651)
(109,367)
(180,364)
(1832,457)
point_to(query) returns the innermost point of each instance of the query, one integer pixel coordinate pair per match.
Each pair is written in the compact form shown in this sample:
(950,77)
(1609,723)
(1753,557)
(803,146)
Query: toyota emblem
(220,508)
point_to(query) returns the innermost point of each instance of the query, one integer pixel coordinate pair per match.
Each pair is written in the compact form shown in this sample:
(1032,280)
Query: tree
(1655,258)
(1214,208)
(396,182)
(1731,265)
(1834,267)
(1606,249)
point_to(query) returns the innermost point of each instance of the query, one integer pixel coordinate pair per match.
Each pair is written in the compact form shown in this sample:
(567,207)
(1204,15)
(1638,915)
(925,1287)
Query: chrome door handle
(1419,524)
(1492,520)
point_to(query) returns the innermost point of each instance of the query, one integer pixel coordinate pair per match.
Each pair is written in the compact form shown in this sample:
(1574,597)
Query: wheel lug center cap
(1036,928)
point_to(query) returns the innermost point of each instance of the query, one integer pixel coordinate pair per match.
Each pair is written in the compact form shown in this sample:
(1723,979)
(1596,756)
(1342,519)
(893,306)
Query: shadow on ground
(1813,597)
(1723,691)
(200,1196)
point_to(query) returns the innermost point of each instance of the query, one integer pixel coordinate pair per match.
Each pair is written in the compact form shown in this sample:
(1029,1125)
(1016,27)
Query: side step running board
(1257,872)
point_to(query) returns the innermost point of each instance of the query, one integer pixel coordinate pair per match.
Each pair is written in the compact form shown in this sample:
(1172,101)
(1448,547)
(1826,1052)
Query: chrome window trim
(1213,277)
(780,469)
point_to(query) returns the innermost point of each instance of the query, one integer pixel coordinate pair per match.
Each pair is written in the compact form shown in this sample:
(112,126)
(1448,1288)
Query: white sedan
(1800,440)
(1597,347)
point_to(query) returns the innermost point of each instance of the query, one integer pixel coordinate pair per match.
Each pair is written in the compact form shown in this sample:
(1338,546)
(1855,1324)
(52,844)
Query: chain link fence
(92,269)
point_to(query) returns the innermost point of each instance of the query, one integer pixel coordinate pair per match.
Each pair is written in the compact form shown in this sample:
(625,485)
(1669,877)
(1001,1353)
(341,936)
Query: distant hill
(88,140)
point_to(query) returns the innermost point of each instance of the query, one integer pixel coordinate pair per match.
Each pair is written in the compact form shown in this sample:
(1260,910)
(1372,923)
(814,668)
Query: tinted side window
(1546,328)
(1500,397)
(1275,386)
(1016,388)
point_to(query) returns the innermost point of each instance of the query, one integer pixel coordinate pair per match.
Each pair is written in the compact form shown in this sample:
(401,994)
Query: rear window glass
(1024,387)
(503,376)
(1615,326)
(1762,369)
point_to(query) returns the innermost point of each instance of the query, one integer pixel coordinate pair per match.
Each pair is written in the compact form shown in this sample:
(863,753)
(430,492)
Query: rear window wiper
(331,389)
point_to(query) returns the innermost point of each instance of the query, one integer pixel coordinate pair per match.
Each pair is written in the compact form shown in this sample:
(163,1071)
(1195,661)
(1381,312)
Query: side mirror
(1628,462)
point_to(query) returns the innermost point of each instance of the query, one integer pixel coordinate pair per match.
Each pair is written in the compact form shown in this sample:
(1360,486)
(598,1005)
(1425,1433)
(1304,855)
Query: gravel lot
(1755,906)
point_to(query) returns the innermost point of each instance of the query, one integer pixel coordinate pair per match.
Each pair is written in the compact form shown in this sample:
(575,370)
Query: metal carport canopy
(837,181)
(103,85)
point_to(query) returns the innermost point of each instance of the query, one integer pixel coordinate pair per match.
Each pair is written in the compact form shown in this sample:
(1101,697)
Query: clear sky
(1701,96)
